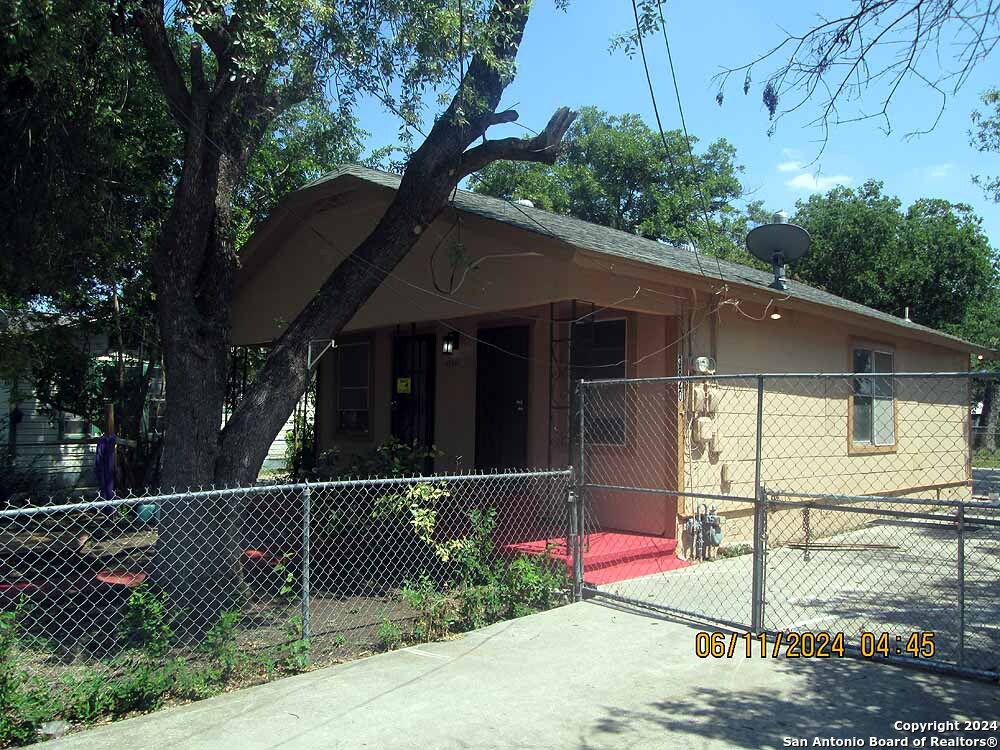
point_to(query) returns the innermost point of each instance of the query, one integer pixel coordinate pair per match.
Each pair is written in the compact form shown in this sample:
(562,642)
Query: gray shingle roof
(615,243)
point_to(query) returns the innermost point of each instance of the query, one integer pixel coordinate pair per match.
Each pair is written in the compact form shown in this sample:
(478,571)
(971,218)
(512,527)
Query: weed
(734,550)
(294,655)
(146,622)
(220,646)
(534,583)
(474,561)
(24,704)
(388,635)
(436,611)
(479,606)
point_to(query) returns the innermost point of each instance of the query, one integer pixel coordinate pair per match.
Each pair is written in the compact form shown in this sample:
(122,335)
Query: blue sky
(564,60)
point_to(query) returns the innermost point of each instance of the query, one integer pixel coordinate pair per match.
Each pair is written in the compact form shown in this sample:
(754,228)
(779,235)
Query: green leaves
(986,138)
(933,258)
(616,172)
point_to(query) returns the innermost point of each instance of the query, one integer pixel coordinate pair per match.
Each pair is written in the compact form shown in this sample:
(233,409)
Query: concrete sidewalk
(584,676)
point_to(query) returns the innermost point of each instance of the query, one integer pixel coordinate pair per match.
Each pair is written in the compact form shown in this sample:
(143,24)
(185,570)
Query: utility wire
(687,138)
(659,125)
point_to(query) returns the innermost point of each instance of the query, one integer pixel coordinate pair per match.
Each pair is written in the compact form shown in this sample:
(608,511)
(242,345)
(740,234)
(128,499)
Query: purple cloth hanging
(104,466)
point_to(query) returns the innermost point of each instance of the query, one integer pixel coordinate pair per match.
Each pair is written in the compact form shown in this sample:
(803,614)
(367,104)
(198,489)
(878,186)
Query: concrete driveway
(588,675)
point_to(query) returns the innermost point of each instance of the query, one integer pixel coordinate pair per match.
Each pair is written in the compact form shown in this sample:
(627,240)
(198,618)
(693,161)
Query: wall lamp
(449,344)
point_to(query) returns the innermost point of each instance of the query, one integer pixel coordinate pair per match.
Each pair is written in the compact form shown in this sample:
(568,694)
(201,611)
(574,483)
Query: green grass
(986,459)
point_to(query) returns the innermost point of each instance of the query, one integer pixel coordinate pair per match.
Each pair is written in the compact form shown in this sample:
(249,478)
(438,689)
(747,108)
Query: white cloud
(813,183)
(938,171)
(790,166)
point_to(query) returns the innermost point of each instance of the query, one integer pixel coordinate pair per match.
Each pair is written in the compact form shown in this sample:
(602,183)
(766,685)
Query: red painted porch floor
(611,556)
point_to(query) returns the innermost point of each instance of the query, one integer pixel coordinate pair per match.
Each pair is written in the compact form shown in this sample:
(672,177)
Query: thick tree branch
(432,173)
(543,148)
(217,35)
(164,64)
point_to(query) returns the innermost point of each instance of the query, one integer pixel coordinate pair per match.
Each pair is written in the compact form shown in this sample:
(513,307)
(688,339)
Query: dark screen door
(502,398)
(413,389)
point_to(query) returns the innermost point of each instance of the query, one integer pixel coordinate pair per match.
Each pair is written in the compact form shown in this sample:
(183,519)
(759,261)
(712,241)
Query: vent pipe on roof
(906,314)
(525,202)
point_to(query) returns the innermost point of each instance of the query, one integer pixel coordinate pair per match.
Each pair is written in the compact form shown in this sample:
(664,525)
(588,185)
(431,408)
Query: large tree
(932,258)
(619,172)
(92,158)
(228,73)
(250,62)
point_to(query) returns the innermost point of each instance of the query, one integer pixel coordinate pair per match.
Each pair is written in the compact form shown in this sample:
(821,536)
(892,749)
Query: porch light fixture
(775,314)
(449,344)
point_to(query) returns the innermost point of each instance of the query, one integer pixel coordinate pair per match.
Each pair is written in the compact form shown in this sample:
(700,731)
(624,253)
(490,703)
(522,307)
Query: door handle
(519,405)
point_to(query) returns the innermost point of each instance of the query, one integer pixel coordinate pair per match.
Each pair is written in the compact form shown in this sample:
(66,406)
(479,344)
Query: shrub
(475,562)
(436,611)
(293,656)
(480,606)
(534,583)
(392,459)
(388,635)
(146,622)
(24,704)
(220,647)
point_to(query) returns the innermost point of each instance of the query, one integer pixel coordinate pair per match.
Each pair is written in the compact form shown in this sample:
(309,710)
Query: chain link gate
(855,503)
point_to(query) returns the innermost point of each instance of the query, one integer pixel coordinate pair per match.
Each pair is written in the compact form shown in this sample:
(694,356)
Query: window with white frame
(599,353)
(353,369)
(873,407)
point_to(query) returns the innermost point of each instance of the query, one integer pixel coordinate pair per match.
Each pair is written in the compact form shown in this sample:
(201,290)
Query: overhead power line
(663,137)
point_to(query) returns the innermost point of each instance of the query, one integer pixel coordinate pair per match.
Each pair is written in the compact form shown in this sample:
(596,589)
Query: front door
(502,398)
(413,389)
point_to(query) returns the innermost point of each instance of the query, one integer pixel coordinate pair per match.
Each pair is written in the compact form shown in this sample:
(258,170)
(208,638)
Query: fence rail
(854,503)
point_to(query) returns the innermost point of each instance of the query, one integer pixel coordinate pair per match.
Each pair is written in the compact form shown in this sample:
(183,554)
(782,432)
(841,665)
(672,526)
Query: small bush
(480,606)
(475,561)
(146,622)
(734,550)
(293,656)
(389,636)
(436,611)
(24,704)
(220,647)
(535,583)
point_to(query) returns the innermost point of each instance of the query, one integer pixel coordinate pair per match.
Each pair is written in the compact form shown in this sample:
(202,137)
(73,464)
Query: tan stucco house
(501,397)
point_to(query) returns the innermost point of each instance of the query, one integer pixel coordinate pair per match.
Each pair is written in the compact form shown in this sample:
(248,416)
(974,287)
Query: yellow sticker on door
(404,385)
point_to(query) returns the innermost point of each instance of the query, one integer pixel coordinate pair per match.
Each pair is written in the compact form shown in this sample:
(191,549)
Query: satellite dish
(778,243)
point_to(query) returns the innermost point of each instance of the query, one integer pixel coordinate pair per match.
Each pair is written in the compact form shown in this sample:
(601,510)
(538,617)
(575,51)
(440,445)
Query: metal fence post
(583,431)
(759,520)
(961,584)
(575,548)
(306,552)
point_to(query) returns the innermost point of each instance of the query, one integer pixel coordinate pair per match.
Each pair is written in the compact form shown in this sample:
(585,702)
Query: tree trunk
(197,561)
